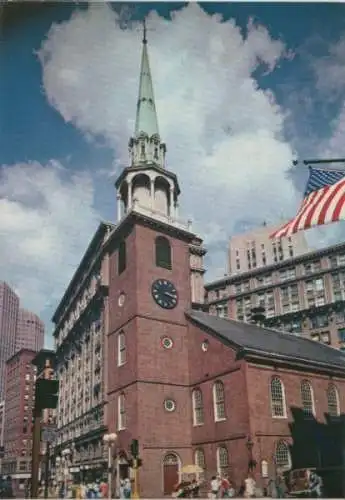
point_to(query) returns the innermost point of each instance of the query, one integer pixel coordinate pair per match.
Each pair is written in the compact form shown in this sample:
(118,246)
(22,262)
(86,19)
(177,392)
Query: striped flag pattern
(323,203)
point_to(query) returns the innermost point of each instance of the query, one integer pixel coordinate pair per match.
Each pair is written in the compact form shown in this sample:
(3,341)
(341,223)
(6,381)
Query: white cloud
(47,217)
(224,134)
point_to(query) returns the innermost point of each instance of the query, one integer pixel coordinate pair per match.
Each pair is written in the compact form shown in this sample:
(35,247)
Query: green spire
(146,119)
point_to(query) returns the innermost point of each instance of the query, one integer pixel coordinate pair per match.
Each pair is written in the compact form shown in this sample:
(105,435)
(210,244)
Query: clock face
(164,293)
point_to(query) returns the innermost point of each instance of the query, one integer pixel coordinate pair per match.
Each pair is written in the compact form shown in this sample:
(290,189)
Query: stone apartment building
(304,295)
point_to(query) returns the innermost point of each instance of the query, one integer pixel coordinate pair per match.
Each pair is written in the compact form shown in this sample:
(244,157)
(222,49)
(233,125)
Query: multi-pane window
(121,412)
(287,274)
(289,298)
(163,252)
(319,321)
(219,401)
(278,404)
(338,282)
(121,349)
(199,459)
(222,460)
(307,397)
(282,456)
(315,292)
(243,308)
(333,401)
(198,407)
(266,300)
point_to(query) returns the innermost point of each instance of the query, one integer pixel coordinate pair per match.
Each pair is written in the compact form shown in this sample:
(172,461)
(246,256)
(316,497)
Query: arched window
(163,252)
(199,459)
(307,398)
(121,263)
(198,407)
(121,349)
(219,401)
(121,412)
(282,456)
(222,460)
(333,401)
(278,404)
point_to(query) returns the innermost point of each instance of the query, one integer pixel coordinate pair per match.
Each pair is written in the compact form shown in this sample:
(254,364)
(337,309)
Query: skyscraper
(255,249)
(30,331)
(9,306)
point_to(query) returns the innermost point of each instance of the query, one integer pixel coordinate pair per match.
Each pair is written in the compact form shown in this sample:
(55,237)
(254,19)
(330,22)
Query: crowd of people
(221,487)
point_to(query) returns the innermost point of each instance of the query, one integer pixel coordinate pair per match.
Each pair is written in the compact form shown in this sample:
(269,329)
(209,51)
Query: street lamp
(65,454)
(109,440)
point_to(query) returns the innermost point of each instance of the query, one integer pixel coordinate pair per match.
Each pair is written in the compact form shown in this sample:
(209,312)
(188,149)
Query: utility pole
(46,397)
(36,449)
(46,471)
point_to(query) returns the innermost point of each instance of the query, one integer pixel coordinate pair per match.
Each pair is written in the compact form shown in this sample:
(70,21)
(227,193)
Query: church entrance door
(170,473)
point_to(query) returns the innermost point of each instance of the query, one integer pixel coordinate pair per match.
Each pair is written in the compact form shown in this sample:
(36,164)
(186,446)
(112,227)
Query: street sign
(48,435)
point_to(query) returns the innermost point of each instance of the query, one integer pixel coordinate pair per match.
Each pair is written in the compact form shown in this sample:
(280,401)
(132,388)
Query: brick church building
(191,387)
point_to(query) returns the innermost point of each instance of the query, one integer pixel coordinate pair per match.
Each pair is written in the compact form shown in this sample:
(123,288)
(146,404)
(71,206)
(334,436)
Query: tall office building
(30,331)
(255,249)
(9,306)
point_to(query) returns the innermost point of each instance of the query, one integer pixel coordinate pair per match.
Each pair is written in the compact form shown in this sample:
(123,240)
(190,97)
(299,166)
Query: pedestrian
(8,488)
(127,489)
(215,485)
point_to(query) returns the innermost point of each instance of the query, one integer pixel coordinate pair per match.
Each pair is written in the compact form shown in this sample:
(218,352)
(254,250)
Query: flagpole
(326,162)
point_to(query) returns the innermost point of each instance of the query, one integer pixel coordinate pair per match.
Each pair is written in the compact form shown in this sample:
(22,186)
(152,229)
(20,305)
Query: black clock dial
(164,293)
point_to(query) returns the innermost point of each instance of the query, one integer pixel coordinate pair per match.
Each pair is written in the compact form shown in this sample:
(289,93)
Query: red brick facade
(153,374)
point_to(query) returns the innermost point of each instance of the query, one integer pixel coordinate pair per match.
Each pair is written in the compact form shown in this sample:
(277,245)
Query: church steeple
(146,147)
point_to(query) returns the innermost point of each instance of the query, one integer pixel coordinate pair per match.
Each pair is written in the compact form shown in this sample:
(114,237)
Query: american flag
(323,202)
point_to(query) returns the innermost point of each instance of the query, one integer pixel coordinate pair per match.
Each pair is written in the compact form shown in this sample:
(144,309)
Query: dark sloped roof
(264,340)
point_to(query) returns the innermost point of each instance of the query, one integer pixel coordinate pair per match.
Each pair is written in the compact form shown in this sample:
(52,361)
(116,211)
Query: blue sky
(241,88)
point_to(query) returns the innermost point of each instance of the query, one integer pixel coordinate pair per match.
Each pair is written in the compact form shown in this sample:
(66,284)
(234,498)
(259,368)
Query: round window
(169,405)
(204,345)
(167,342)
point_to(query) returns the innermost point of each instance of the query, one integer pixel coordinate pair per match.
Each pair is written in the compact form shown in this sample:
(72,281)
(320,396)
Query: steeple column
(119,200)
(171,202)
(176,210)
(129,196)
(152,193)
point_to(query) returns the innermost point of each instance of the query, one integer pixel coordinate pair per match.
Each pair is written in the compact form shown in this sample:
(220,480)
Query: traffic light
(134,448)
(46,393)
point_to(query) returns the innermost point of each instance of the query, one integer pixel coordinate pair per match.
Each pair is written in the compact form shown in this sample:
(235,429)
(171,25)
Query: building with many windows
(136,356)
(19,401)
(30,331)
(9,305)
(255,249)
(304,295)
